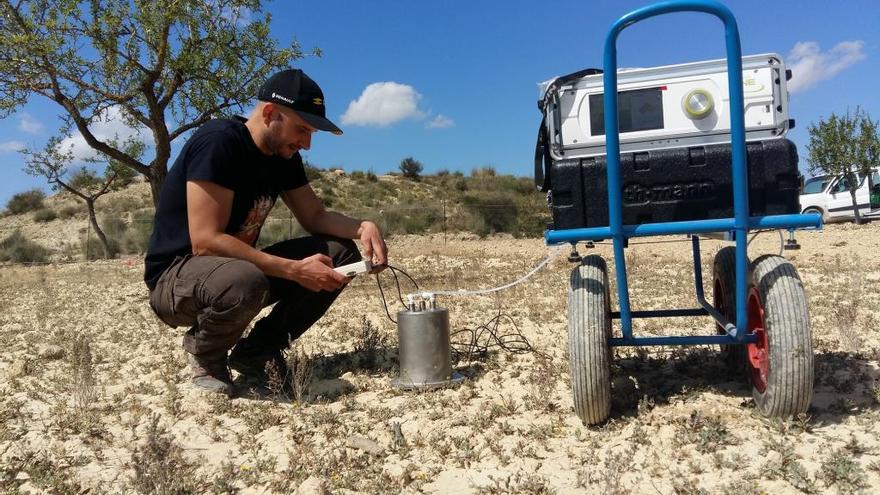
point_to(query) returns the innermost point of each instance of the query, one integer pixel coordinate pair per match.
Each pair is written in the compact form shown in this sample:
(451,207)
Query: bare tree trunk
(90,203)
(156,179)
(856,214)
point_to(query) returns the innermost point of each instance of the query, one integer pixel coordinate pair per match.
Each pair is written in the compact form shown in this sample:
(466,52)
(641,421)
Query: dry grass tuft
(159,465)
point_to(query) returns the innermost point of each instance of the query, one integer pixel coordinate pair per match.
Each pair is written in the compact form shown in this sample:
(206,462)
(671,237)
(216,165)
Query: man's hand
(375,250)
(316,273)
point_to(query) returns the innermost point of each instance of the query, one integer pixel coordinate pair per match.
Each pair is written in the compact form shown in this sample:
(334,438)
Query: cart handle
(738,142)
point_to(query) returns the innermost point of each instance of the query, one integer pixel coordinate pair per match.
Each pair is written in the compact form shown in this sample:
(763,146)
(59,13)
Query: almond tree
(867,149)
(166,66)
(845,145)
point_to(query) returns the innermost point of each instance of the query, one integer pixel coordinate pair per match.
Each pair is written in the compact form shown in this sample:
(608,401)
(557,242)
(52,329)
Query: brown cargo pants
(217,297)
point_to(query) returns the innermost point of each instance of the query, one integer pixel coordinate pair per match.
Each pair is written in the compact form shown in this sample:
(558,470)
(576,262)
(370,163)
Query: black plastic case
(675,184)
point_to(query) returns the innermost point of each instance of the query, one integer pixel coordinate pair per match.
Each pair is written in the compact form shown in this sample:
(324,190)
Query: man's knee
(343,251)
(237,290)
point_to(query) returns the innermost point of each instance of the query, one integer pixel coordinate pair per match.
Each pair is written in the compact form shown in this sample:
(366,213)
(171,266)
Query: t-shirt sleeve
(294,175)
(212,158)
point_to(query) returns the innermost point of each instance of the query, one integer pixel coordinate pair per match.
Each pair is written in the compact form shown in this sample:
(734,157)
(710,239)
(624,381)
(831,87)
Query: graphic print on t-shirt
(250,228)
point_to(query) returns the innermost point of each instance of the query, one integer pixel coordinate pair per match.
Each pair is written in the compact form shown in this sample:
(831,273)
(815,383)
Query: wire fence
(129,233)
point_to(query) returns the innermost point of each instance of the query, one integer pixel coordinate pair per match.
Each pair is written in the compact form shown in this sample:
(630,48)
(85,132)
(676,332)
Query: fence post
(444,222)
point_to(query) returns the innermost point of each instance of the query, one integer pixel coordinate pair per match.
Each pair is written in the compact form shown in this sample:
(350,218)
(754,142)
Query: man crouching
(202,268)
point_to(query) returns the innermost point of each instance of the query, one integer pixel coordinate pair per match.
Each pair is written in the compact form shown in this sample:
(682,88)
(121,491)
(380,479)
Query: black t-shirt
(222,152)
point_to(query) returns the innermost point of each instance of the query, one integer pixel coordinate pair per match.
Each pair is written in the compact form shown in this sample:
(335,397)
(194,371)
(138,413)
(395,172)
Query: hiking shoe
(264,368)
(211,374)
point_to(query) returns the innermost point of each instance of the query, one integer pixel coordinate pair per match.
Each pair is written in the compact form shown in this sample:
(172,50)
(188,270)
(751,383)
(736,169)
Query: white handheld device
(355,268)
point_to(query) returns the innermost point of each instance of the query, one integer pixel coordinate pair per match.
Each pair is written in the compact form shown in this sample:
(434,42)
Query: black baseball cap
(293,89)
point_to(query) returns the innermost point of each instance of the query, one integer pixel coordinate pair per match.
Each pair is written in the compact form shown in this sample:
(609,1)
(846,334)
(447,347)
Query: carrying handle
(738,145)
(543,160)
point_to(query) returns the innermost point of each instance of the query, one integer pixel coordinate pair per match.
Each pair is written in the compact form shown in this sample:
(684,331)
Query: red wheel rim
(759,351)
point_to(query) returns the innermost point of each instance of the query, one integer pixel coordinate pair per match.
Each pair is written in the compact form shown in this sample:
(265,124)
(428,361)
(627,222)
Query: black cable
(485,337)
(384,302)
(479,340)
(394,271)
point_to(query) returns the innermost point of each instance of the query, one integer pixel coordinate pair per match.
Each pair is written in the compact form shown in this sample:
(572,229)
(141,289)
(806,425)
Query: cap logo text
(276,96)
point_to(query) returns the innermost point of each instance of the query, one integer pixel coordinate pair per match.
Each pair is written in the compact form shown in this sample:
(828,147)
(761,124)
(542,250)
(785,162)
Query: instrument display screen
(638,110)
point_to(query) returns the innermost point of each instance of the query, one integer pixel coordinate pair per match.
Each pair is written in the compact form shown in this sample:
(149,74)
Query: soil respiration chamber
(424,346)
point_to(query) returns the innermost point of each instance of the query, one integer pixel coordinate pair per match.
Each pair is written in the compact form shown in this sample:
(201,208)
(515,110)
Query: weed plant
(45,215)
(26,201)
(18,249)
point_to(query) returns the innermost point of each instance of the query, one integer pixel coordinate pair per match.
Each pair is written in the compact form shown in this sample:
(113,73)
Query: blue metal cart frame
(736,332)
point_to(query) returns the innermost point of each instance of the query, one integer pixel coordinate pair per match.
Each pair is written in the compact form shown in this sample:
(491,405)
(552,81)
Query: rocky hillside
(482,202)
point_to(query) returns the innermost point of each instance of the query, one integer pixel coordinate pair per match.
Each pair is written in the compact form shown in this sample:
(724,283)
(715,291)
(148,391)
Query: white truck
(829,196)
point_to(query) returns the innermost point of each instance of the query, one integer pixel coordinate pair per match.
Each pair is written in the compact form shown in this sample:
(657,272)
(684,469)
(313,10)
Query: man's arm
(311,214)
(208,207)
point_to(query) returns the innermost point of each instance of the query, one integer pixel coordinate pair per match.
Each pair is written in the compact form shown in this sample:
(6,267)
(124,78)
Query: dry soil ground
(94,391)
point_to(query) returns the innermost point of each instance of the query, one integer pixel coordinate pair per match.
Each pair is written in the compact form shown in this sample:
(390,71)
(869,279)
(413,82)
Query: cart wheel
(724,300)
(589,328)
(781,361)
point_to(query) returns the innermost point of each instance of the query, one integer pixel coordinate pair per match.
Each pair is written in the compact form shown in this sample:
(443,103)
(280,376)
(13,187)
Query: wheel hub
(759,351)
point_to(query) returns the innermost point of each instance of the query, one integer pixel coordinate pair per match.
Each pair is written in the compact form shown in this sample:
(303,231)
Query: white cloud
(440,122)
(809,65)
(109,126)
(241,16)
(27,123)
(8,146)
(382,104)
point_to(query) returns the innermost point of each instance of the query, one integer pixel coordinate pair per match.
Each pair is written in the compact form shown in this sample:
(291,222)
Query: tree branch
(83,126)
(201,119)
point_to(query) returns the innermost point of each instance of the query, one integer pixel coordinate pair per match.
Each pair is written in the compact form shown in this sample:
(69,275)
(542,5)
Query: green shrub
(136,238)
(358,175)
(327,195)
(280,210)
(114,229)
(532,216)
(92,249)
(24,202)
(483,172)
(411,168)
(112,225)
(313,173)
(17,249)
(45,215)
(69,212)
(277,230)
(372,177)
(412,220)
(495,212)
(121,205)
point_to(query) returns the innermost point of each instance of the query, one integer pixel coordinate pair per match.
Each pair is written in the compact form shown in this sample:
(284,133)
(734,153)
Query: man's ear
(269,113)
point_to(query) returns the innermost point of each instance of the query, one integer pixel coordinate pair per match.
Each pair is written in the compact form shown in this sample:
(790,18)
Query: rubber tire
(724,300)
(787,323)
(815,210)
(589,328)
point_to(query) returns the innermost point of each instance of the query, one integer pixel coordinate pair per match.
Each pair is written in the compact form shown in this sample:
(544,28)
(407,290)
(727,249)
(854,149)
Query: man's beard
(277,146)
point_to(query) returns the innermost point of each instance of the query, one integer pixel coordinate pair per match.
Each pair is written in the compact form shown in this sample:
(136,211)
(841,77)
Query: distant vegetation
(482,202)
(18,249)
(24,202)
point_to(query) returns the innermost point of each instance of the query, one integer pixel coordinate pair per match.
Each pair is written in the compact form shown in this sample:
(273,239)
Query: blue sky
(456,81)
